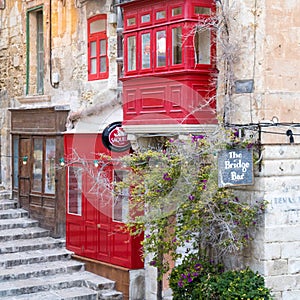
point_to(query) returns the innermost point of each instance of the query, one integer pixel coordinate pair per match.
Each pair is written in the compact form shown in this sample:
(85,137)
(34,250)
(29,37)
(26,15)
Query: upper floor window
(97,48)
(35,52)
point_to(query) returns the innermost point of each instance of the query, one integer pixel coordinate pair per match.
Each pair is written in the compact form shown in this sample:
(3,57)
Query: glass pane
(131,21)
(93,66)
(120,207)
(131,55)
(75,191)
(160,15)
(161,48)
(102,64)
(202,46)
(176,11)
(102,47)
(50,166)
(16,161)
(145,18)
(98,26)
(37,168)
(93,49)
(146,51)
(199,10)
(176,45)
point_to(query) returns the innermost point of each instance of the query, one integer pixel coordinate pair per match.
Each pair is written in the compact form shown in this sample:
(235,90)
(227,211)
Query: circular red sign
(115,138)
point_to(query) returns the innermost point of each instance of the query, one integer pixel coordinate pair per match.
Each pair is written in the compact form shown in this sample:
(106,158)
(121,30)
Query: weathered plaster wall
(65,40)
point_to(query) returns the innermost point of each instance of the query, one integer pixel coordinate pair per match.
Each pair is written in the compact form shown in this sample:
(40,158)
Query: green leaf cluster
(198,278)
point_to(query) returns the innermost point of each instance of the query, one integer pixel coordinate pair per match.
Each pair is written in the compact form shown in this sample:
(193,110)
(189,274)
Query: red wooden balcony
(169,70)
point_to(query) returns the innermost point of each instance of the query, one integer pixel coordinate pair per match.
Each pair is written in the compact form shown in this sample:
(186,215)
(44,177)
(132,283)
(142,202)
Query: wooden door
(24,172)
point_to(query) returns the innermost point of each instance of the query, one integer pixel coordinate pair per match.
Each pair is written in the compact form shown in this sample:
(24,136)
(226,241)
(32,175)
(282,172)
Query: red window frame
(97,37)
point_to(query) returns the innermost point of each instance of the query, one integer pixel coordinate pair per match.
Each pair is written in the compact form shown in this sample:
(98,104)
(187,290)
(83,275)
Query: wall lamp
(62,162)
(25,160)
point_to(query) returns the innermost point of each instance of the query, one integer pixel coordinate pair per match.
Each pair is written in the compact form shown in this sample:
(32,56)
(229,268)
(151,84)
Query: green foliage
(175,199)
(197,278)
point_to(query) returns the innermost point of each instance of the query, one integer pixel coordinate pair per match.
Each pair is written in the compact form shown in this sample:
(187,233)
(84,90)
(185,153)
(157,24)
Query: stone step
(13,213)
(31,257)
(5,195)
(8,204)
(22,233)
(31,244)
(75,293)
(17,223)
(40,269)
(55,282)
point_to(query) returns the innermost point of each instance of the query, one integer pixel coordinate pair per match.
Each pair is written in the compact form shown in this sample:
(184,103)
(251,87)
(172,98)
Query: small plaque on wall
(235,167)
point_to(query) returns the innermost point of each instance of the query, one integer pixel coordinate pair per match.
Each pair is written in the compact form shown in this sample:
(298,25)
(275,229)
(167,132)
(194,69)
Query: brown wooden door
(24,172)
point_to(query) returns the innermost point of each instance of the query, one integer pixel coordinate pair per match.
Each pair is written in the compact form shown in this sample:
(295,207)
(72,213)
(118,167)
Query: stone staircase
(35,266)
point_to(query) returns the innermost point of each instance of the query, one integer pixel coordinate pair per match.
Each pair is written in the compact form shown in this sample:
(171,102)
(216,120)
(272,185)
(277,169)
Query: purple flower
(152,263)
(174,240)
(167,177)
(148,236)
(191,197)
(195,138)
(195,274)
(246,236)
(180,283)
(190,279)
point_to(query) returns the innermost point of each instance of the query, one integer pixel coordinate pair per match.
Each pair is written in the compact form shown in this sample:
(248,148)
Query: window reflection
(146,51)
(131,53)
(202,46)
(161,48)
(176,45)
(75,190)
(120,207)
(37,167)
(50,166)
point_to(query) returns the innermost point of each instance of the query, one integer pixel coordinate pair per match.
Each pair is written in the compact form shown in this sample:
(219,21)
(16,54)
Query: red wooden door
(95,219)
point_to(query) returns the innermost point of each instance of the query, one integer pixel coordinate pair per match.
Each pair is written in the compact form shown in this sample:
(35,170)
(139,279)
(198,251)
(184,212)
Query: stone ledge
(33,99)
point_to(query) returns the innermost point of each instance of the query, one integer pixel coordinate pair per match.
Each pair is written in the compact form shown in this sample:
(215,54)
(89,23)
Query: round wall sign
(115,138)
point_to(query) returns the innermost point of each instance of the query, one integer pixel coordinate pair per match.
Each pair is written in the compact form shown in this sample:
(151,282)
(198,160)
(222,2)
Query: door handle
(98,226)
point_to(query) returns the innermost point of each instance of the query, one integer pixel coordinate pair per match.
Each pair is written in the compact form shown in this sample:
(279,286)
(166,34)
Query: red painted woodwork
(91,232)
(175,88)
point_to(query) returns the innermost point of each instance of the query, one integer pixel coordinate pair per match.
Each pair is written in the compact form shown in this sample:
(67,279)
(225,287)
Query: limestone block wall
(281,178)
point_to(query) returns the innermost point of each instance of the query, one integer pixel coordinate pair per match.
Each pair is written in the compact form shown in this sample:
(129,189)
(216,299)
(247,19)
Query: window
(161,47)
(74,190)
(146,50)
(16,161)
(43,166)
(120,207)
(131,22)
(35,52)
(37,168)
(202,46)
(146,18)
(160,15)
(200,10)
(176,45)
(131,53)
(49,179)
(97,48)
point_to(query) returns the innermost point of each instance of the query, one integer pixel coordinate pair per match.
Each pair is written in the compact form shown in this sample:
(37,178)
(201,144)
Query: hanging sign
(115,138)
(235,167)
